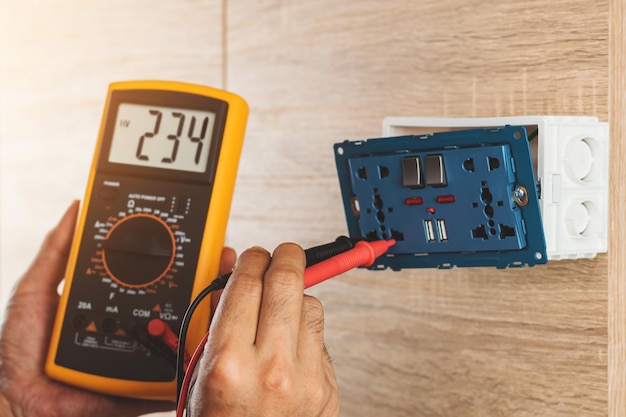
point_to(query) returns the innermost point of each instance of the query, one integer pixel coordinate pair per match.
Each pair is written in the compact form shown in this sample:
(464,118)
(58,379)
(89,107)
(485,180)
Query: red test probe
(161,330)
(363,254)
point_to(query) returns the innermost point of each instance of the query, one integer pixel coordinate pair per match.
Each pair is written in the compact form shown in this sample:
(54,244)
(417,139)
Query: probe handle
(363,254)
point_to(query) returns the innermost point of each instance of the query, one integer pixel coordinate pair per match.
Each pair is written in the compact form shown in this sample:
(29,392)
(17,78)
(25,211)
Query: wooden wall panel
(470,342)
(463,342)
(56,61)
(617,278)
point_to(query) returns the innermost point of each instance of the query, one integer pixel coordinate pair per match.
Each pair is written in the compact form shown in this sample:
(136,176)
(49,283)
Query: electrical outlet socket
(571,165)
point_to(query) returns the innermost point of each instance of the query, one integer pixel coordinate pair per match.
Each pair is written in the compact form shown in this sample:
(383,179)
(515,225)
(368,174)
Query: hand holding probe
(326,266)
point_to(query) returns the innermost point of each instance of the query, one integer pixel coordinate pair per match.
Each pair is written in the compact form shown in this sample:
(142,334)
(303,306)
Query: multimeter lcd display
(162,137)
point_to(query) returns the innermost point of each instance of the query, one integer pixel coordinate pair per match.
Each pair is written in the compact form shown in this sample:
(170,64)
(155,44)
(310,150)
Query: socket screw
(520,195)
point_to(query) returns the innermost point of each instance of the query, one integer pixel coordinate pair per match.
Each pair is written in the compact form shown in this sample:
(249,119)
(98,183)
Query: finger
(311,337)
(48,268)
(236,317)
(228,259)
(313,355)
(281,308)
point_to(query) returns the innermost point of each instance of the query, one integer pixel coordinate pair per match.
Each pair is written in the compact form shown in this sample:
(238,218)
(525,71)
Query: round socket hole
(579,159)
(582,218)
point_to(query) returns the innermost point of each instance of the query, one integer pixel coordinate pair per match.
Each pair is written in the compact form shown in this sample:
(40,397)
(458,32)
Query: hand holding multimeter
(149,236)
(24,389)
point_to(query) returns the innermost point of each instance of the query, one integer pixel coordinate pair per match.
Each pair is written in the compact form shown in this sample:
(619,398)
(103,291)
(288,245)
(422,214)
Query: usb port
(430,230)
(441,230)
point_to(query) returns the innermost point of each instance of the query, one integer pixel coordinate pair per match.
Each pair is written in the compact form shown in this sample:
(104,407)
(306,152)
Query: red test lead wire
(182,401)
(363,254)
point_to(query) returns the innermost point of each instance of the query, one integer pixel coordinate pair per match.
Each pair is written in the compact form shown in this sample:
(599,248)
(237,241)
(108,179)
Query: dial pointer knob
(139,250)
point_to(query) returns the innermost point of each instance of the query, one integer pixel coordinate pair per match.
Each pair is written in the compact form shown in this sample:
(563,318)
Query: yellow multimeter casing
(149,235)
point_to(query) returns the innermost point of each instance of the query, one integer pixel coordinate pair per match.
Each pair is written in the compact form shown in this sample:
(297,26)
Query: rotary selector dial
(139,250)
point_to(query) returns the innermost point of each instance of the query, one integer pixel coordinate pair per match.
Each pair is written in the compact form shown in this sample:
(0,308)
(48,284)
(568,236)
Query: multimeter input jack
(80,321)
(109,325)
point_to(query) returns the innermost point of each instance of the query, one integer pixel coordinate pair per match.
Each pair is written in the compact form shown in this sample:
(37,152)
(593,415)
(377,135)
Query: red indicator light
(413,201)
(431,210)
(444,199)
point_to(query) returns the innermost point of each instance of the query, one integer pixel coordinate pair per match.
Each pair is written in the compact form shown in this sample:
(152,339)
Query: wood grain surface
(542,341)
(465,342)
(617,244)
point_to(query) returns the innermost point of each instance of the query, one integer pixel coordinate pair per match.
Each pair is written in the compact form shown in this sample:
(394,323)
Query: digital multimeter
(149,236)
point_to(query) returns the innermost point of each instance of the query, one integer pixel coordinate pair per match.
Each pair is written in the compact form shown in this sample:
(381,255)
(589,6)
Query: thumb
(48,268)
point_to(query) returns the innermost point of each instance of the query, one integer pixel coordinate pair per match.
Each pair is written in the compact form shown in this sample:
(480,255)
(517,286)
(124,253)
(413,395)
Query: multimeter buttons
(138,250)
